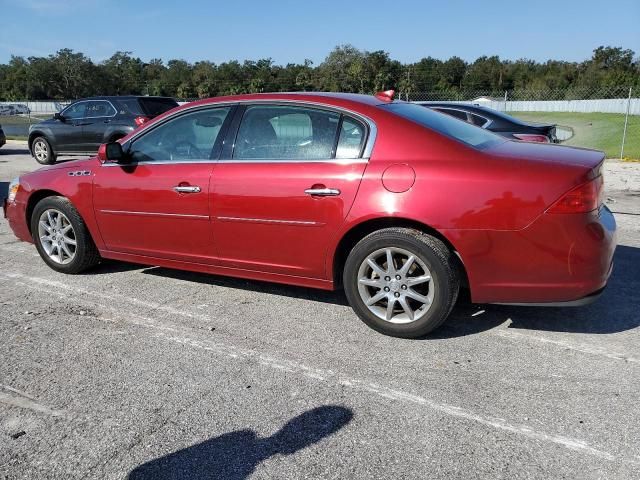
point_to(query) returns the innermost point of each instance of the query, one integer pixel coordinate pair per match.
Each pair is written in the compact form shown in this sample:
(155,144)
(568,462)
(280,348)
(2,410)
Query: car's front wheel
(42,151)
(401,282)
(61,236)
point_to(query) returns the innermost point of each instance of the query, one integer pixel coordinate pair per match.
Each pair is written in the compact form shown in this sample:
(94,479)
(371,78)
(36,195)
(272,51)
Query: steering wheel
(185,149)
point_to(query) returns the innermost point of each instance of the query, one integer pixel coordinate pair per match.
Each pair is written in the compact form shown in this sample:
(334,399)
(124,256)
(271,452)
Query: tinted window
(279,132)
(478,120)
(188,137)
(154,106)
(130,106)
(459,114)
(99,108)
(75,110)
(446,125)
(351,139)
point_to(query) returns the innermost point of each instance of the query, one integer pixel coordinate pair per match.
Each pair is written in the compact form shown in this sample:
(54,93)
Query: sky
(292,31)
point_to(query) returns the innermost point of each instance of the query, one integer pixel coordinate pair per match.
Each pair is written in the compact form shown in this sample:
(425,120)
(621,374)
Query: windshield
(462,131)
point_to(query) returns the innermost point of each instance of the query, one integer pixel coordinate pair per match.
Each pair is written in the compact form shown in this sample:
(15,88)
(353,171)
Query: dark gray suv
(80,128)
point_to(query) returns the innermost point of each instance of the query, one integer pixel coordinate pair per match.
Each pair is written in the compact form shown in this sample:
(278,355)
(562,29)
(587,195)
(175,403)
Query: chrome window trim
(366,152)
(339,161)
(87,101)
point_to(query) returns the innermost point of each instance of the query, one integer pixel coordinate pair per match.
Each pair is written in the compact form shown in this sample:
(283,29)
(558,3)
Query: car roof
(316,97)
(125,97)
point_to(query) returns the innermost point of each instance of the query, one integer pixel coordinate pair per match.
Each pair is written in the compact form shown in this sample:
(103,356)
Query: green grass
(602,131)
(22,120)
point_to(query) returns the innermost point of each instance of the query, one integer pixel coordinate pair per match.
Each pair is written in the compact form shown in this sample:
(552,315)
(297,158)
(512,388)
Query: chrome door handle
(322,192)
(187,189)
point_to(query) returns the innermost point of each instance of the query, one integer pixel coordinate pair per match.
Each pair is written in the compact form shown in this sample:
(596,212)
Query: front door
(286,188)
(68,130)
(158,204)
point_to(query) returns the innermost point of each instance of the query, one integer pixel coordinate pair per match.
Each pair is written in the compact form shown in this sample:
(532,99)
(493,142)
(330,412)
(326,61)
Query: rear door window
(99,108)
(352,136)
(274,132)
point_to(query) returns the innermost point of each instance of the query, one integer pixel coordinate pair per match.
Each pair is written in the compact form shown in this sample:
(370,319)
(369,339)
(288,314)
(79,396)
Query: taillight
(141,120)
(530,137)
(582,199)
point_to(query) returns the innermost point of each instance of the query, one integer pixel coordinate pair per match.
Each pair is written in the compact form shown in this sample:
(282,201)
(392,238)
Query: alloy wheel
(41,151)
(395,285)
(57,236)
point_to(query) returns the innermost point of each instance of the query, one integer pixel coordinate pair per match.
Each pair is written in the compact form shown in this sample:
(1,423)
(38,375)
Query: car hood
(549,153)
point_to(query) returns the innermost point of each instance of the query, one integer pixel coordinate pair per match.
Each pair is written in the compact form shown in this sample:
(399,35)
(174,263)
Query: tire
(422,291)
(49,235)
(42,151)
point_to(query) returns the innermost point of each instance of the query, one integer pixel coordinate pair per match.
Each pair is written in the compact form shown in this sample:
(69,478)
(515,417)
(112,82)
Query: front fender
(73,180)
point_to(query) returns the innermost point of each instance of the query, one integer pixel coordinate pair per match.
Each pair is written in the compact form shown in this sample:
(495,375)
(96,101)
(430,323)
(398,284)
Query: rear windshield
(149,106)
(445,124)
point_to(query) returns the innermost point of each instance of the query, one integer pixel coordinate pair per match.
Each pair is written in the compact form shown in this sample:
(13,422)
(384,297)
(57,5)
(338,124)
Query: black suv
(81,127)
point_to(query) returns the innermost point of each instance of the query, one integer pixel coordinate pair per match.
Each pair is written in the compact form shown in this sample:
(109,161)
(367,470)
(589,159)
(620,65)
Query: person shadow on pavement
(235,455)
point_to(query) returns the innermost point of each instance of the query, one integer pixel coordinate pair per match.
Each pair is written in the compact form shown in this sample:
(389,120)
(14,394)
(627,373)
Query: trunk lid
(549,153)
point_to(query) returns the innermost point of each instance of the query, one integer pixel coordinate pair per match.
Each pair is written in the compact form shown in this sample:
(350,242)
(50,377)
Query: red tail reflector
(141,120)
(530,137)
(582,199)
(386,96)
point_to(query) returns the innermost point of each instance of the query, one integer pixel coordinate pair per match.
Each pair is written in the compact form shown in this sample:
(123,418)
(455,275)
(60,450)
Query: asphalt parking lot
(149,373)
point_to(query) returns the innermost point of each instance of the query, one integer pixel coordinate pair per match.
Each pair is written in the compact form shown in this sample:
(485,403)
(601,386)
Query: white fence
(608,105)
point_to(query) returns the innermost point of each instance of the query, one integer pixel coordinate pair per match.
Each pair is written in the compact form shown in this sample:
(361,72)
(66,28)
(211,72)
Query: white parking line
(590,350)
(11,396)
(181,335)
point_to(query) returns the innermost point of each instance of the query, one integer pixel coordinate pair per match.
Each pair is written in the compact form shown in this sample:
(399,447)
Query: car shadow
(615,311)
(336,297)
(14,151)
(235,455)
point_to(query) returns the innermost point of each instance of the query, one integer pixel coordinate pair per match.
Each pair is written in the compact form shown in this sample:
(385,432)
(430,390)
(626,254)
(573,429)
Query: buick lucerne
(398,204)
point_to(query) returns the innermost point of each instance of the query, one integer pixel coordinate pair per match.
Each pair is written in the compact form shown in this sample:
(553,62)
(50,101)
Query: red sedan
(398,204)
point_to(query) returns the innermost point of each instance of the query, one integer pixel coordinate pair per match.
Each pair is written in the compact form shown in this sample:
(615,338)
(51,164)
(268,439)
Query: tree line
(68,74)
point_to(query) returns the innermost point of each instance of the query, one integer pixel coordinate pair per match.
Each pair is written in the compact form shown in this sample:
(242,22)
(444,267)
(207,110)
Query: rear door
(98,116)
(284,186)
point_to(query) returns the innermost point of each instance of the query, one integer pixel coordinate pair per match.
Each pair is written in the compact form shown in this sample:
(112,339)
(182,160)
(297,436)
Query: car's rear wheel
(42,151)
(61,236)
(401,282)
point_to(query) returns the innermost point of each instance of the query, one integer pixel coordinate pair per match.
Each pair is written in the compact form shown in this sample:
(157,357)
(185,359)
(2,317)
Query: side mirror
(112,152)
(58,116)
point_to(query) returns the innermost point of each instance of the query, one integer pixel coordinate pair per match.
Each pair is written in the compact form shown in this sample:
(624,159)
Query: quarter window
(192,136)
(459,114)
(351,139)
(282,132)
(478,120)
